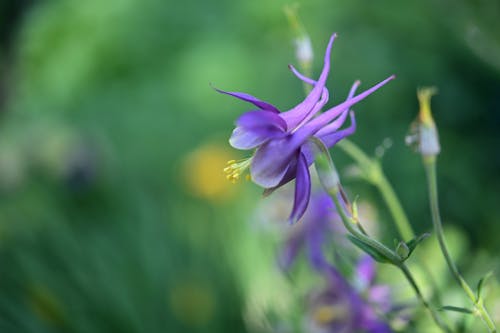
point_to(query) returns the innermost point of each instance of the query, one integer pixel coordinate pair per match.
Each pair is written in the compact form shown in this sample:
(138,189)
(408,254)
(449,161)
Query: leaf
(456,309)
(481,283)
(412,244)
(373,252)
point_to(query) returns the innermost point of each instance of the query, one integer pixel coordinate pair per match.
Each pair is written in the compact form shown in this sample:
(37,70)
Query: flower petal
(244,139)
(301,76)
(334,125)
(296,115)
(259,119)
(331,139)
(323,119)
(302,190)
(365,271)
(272,159)
(251,99)
(256,127)
(268,167)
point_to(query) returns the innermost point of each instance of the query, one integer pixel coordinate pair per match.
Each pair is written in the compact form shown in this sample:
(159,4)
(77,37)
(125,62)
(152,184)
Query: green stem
(349,224)
(430,169)
(395,208)
(415,287)
(374,174)
(390,255)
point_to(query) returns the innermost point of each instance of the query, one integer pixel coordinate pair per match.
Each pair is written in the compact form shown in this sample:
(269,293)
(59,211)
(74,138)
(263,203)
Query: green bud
(403,250)
(325,168)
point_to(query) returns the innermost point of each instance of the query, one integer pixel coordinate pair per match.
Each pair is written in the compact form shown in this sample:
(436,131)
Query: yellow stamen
(236,168)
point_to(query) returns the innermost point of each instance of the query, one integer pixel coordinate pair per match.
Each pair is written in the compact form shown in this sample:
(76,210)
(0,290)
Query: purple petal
(380,295)
(259,119)
(291,250)
(255,128)
(324,118)
(334,125)
(268,168)
(331,139)
(302,190)
(365,271)
(272,160)
(247,139)
(251,99)
(296,115)
(301,76)
(315,241)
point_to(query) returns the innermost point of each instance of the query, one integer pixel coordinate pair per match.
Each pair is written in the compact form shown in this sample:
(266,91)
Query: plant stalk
(480,310)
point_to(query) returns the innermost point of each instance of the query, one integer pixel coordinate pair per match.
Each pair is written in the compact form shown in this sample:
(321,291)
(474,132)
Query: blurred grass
(106,103)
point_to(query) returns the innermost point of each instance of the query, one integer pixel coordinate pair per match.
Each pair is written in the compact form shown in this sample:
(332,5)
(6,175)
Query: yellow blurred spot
(326,314)
(203,173)
(192,303)
(424,99)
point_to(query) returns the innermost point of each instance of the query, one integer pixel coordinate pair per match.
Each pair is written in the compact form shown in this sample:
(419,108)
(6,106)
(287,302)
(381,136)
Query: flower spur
(283,151)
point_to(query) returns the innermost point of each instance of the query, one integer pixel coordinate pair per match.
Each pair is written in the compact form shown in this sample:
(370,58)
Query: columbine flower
(319,222)
(340,306)
(281,139)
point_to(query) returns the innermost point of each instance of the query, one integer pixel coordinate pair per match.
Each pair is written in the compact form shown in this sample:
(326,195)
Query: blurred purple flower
(318,222)
(339,307)
(281,139)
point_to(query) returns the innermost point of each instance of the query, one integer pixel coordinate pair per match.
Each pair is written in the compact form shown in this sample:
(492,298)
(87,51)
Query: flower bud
(428,136)
(423,133)
(327,173)
(403,250)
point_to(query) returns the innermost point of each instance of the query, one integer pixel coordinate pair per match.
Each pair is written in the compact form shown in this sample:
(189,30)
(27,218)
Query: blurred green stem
(480,310)
(373,173)
(390,255)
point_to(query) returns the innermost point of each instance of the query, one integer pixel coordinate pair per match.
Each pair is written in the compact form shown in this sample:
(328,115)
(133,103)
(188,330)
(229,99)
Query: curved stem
(393,258)
(374,174)
(395,208)
(415,287)
(430,170)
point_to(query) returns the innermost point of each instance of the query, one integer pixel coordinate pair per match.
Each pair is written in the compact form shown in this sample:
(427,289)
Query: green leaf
(481,283)
(373,252)
(412,244)
(456,309)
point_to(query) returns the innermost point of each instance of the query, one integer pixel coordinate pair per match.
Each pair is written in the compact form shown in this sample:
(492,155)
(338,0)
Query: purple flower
(312,234)
(281,139)
(339,307)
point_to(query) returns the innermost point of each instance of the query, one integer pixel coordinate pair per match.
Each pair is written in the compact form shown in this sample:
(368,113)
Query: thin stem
(349,223)
(395,208)
(415,287)
(430,169)
(374,174)
(393,258)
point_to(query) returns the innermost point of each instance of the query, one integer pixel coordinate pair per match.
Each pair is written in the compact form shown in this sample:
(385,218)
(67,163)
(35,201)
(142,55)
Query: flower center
(236,168)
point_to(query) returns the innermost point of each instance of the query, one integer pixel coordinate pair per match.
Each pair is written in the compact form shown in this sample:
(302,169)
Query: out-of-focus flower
(318,223)
(281,139)
(202,172)
(340,306)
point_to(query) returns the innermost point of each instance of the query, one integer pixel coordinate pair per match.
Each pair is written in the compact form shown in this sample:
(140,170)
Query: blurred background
(115,215)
